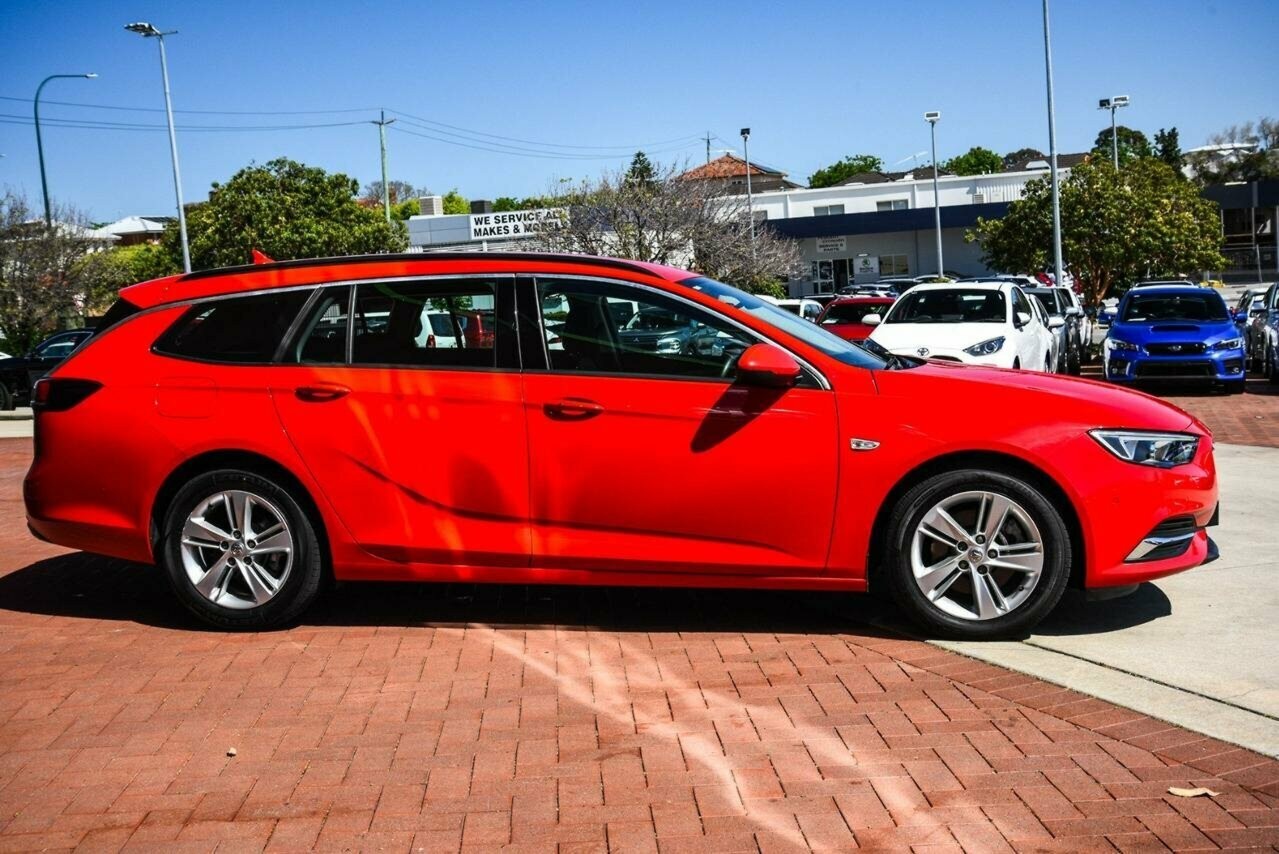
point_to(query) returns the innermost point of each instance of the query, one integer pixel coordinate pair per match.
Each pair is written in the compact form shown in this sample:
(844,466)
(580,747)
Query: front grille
(1171,370)
(1188,349)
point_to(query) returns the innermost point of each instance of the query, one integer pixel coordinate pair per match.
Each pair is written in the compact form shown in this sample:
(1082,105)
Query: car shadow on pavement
(1077,615)
(90,587)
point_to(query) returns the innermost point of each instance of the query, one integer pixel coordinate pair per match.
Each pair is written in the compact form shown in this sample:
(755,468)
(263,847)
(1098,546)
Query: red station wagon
(258,430)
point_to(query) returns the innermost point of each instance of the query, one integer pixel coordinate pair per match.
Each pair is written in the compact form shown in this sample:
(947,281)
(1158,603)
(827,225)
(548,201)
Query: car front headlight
(1163,450)
(669,345)
(1121,346)
(1230,344)
(986,348)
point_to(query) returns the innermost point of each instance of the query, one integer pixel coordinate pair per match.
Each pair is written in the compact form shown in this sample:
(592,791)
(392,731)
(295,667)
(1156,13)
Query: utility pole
(932,118)
(708,146)
(1113,104)
(1058,269)
(750,201)
(386,188)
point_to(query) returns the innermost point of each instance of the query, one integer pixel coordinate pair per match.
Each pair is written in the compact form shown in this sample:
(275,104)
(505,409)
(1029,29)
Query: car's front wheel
(976,555)
(7,403)
(240,552)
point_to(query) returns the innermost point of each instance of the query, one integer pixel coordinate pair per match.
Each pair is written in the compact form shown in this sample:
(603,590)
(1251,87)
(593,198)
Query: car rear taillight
(55,394)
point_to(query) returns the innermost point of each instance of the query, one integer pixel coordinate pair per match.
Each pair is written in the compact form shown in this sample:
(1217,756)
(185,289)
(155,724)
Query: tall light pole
(1113,104)
(149,31)
(750,201)
(1058,267)
(932,118)
(44,182)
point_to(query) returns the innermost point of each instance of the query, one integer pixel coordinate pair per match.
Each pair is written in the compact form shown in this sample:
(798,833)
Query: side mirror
(768,366)
(1056,322)
(871,319)
(1074,312)
(1022,318)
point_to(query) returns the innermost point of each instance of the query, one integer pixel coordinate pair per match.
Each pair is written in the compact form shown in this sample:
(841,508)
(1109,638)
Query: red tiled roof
(729,166)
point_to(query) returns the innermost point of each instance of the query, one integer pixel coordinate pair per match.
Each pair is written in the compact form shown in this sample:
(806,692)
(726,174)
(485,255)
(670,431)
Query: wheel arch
(997,461)
(247,461)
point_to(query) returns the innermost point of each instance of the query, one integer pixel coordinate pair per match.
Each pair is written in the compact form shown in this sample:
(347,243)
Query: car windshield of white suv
(1152,308)
(950,306)
(810,333)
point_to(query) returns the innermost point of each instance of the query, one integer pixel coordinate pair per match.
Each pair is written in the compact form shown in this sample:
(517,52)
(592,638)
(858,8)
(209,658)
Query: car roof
(1179,283)
(1172,289)
(281,274)
(976,285)
(866,299)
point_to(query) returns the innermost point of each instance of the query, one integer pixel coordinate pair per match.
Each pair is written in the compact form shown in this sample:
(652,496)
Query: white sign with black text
(515,224)
(832,244)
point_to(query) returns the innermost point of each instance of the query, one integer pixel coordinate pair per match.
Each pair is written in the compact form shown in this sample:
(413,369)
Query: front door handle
(321,392)
(573,409)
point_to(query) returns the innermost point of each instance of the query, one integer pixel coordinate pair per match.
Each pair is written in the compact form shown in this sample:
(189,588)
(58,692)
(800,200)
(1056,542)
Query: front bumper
(1127,366)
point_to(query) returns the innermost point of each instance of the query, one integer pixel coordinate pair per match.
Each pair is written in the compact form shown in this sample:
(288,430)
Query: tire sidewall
(906,517)
(305,576)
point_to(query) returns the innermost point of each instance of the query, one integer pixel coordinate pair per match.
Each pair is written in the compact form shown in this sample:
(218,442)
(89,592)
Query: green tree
(287,210)
(103,274)
(975,161)
(456,203)
(1012,158)
(829,176)
(1168,147)
(1143,221)
(406,209)
(641,173)
(1132,144)
(1250,153)
(401,191)
(506,203)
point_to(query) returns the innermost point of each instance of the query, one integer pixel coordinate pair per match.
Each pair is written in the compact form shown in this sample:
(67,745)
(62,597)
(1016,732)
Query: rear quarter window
(240,330)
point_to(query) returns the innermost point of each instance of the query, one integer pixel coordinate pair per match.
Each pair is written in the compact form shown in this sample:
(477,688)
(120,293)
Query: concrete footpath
(1196,649)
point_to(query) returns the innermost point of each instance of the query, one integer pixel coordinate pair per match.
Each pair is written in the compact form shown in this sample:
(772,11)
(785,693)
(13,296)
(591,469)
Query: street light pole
(44,182)
(932,118)
(1113,104)
(750,202)
(1058,267)
(149,31)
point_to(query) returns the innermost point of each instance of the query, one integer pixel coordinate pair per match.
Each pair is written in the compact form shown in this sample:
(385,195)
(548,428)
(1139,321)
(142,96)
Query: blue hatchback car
(1175,332)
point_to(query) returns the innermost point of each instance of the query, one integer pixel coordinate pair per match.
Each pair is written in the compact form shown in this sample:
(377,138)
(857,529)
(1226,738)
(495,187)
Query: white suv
(980,323)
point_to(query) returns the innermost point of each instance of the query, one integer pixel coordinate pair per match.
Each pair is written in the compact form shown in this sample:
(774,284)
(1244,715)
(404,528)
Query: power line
(432,124)
(10,118)
(525,152)
(195,112)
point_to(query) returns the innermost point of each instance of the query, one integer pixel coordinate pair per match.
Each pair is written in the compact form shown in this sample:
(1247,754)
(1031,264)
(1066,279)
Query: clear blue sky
(814,80)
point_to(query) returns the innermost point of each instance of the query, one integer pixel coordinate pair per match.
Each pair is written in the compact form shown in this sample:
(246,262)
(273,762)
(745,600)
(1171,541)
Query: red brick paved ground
(541,718)
(1251,418)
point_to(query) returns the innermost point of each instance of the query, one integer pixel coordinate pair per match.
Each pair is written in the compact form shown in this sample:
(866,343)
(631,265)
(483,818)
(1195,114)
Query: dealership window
(828,210)
(893,205)
(893,265)
(243,330)
(430,323)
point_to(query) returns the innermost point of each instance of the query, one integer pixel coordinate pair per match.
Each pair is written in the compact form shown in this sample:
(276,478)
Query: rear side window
(428,323)
(321,337)
(241,330)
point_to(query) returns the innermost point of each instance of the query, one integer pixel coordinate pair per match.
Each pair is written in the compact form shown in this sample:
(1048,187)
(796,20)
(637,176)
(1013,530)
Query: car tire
(7,403)
(966,608)
(1016,364)
(259,576)
(1271,369)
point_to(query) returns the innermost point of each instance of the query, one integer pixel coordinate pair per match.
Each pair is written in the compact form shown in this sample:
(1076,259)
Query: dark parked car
(1263,334)
(1070,345)
(19,373)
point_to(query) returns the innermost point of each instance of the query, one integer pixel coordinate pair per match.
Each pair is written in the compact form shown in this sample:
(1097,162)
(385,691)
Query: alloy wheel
(237,549)
(977,555)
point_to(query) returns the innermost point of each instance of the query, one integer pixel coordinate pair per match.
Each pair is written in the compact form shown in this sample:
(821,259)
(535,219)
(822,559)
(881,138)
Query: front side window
(240,330)
(1020,304)
(954,305)
(598,327)
(448,323)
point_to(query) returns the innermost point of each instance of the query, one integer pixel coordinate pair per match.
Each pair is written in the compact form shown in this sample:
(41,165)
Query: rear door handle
(321,392)
(573,408)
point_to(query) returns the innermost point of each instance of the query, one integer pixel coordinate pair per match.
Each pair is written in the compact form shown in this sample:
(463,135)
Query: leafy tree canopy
(287,210)
(103,274)
(1168,147)
(975,161)
(1143,221)
(1132,144)
(641,173)
(855,164)
(1257,160)
(1012,158)
(456,203)
(401,191)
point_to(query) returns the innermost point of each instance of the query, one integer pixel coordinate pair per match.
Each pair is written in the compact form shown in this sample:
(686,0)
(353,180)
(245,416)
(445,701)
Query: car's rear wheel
(240,552)
(976,555)
(7,403)
(1270,366)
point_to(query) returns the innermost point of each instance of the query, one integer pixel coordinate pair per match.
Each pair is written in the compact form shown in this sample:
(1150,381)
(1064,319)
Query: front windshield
(851,312)
(1152,308)
(953,305)
(810,333)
